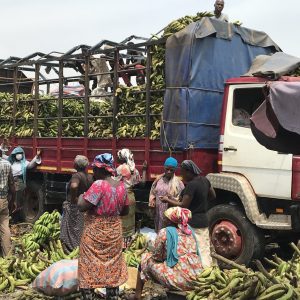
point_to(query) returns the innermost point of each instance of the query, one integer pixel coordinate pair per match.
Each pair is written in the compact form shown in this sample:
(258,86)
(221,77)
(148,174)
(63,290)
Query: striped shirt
(5,177)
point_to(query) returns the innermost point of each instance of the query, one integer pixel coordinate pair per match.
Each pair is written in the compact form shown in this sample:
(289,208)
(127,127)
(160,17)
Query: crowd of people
(99,217)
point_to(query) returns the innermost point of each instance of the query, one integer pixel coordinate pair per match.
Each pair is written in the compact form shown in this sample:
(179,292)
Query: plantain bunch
(136,248)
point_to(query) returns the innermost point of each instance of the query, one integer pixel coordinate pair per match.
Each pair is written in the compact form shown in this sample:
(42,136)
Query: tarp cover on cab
(198,61)
(276,123)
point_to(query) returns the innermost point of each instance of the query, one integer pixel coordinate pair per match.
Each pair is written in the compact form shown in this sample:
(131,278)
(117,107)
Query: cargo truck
(255,187)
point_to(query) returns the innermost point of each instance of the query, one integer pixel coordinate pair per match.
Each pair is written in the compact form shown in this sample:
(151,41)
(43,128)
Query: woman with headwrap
(101,264)
(167,185)
(131,177)
(196,196)
(19,166)
(72,221)
(175,261)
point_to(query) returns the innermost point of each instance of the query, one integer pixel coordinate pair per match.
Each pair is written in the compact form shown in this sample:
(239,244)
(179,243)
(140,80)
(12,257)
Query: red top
(108,200)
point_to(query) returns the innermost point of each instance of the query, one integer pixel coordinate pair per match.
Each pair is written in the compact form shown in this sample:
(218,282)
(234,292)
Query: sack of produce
(59,279)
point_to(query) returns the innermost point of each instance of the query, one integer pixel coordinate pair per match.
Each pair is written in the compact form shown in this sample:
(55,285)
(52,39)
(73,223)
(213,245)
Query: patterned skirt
(71,226)
(101,263)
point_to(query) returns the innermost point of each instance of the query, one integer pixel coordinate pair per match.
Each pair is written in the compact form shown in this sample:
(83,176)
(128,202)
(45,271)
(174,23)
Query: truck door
(269,172)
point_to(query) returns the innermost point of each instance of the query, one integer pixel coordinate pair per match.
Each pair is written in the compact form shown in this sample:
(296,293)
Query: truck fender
(239,185)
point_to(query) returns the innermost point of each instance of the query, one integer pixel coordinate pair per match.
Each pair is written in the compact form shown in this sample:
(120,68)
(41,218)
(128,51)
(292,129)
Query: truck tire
(33,206)
(233,236)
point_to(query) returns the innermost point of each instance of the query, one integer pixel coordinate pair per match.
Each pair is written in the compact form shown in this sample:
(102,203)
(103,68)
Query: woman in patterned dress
(175,261)
(101,264)
(166,185)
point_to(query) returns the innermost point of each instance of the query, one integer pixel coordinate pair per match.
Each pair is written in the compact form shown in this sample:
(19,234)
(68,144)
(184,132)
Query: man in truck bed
(219,6)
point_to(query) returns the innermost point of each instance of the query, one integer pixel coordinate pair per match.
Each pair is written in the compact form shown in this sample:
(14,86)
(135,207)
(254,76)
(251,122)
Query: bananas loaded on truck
(132,101)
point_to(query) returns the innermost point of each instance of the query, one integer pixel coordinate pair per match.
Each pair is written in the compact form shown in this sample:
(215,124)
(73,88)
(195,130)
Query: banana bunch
(135,250)
(139,242)
(132,258)
(181,23)
(56,253)
(45,228)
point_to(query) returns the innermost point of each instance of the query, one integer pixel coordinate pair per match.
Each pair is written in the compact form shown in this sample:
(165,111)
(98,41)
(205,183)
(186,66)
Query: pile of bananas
(22,268)
(281,282)
(135,250)
(45,228)
(132,101)
(73,109)
(33,253)
(212,283)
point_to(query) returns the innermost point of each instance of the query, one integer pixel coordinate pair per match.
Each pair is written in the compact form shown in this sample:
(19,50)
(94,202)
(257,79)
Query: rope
(192,123)
(193,88)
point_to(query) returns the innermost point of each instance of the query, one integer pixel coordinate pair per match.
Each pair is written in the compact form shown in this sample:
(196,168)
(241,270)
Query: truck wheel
(33,206)
(233,236)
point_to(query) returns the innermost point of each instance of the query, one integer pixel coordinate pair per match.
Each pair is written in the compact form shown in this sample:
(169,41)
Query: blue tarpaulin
(199,59)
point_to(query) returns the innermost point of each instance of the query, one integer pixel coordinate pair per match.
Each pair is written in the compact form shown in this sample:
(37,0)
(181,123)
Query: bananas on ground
(212,283)
(279,283)
(33,253)
(135,250)
(45,228)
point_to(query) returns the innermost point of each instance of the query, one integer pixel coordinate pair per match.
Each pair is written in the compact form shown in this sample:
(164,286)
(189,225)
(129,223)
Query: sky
(58,25)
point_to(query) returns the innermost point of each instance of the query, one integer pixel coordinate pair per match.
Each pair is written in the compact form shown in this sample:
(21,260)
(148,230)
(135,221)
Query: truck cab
(257,188)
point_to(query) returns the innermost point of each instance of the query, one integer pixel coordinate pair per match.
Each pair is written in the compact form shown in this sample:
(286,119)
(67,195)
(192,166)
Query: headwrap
(127,156)
(12,159)
(191,166)
(171,162)
(81,161)
(180,216)
(105,161)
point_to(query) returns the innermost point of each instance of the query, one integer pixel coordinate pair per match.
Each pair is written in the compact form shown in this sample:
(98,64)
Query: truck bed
(58,153)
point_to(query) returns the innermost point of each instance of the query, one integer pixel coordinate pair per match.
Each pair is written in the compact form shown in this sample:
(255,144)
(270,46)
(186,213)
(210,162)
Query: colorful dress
(130,179)
(163,187)
(180,277)
(101,264)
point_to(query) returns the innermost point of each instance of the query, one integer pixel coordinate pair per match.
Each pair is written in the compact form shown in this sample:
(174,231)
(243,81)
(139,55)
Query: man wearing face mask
(19,166)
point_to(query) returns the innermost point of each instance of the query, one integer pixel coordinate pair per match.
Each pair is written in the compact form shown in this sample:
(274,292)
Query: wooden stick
(229,262)
(295,248)
(265,272)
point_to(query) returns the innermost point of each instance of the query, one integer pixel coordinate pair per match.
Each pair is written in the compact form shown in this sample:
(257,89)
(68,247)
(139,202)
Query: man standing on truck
(219,6)
(6,186)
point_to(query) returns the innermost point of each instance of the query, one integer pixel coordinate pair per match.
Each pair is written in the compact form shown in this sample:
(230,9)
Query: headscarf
(180,216)
(105,161)
(81,161)
(12,159)
(189,165)
(127,156)
(171,162)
